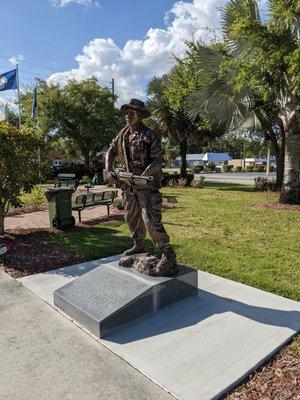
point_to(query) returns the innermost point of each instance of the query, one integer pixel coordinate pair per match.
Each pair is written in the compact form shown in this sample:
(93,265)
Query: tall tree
(83,114)
(256,81)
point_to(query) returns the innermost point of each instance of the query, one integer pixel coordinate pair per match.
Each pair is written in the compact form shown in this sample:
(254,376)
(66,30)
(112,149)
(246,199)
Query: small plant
(183,182)
(249,168)
(196,169)
(85,179)
(173,180)
(210,167)
(35,197)
(239,168)
(271,169)
(262,183)
(227,168)
(118,203)
(198,183)
(258,168)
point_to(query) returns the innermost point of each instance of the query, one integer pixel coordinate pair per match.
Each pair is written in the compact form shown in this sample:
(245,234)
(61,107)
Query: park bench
(104,198)
(66,181)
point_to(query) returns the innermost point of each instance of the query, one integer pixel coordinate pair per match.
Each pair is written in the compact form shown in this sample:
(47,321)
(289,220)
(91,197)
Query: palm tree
(172,123)
(237,89)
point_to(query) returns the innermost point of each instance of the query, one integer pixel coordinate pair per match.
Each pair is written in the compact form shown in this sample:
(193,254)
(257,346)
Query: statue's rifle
(133,180)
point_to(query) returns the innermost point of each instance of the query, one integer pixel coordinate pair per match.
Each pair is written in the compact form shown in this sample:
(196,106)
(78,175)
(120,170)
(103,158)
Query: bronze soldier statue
(139,150)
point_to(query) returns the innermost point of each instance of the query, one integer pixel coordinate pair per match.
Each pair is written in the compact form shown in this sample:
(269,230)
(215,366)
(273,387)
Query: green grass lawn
(216,230)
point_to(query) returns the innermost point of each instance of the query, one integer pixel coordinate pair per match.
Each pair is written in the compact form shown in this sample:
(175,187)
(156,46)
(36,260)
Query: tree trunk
(87,159)
(279,154)
(290,192)
(183,150)
(279,168)
(2,215)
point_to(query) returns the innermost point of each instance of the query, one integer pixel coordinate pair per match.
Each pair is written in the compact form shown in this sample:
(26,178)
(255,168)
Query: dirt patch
(278,380)
(276,207)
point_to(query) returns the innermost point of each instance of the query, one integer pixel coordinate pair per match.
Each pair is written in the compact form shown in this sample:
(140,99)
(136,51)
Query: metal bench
(104,198)
(66,181)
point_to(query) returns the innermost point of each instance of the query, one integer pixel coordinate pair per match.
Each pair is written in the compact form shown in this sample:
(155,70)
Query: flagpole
(37,129)
(18,86)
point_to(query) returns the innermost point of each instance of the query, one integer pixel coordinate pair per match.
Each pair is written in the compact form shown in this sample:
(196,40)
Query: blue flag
(8,80)
(34,110)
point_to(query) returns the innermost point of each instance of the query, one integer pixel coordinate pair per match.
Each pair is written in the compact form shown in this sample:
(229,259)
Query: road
(234,177)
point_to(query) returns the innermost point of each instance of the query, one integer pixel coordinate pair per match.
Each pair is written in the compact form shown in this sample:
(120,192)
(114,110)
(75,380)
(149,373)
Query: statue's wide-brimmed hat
(137,105)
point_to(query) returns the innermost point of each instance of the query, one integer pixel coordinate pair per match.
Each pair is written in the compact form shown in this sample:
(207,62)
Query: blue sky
(53,36)
(129,40)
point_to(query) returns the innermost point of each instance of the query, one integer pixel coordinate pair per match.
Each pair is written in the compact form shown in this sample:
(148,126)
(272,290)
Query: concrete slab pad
(202,347)
(44,356)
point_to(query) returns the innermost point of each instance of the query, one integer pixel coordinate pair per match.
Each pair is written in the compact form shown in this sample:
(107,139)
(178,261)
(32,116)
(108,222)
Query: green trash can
(60,207)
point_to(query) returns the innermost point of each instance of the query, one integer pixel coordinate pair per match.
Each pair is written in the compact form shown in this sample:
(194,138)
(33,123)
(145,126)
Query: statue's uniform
(141,153)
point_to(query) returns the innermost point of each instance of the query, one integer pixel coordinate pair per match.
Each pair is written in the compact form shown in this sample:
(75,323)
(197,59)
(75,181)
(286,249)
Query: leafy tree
(81,114)
(254,82)
(18,166)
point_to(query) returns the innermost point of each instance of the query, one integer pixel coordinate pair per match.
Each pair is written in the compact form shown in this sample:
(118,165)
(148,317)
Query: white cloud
(86,3)
(140,60)
(16,59)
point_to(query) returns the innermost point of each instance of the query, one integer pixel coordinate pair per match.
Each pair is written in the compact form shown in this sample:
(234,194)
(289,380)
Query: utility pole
(113,85)
(268,160)
(244,153)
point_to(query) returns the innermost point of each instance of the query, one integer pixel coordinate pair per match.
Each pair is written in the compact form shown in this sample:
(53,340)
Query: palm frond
(234,10)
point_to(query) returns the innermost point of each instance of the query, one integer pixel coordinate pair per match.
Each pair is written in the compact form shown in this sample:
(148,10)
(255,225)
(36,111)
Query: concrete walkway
(44,356)
(199,348)
(40,219)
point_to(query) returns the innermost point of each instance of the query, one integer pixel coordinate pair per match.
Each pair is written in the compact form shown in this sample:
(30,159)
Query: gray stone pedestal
(109,297)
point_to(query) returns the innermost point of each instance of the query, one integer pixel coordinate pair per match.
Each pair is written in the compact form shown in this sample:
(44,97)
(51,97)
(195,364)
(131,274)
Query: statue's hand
(112,178)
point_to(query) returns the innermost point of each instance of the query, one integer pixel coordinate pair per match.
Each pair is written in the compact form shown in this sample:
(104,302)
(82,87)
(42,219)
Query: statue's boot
(137,248)
(167,265)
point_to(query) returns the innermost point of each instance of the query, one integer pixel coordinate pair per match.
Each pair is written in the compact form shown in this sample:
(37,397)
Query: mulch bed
(26,209)
(28,254)
(276,207)
(278,380)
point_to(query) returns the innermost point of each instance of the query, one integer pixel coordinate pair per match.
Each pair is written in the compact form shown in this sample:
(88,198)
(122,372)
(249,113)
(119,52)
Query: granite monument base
(110,297)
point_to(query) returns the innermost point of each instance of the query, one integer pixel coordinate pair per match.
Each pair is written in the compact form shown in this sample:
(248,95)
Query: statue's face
(132,117)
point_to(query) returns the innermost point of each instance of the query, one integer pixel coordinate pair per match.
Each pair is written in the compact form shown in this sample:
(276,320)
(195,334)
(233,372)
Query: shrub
(258,168)
(239,168)
(272,168)
(227,168)
(118,203)
(198,183)
(210,167)
(249,168)
(173,180)
(196,169)
(36,196)
(262,183)
(85,179)
(183,182)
